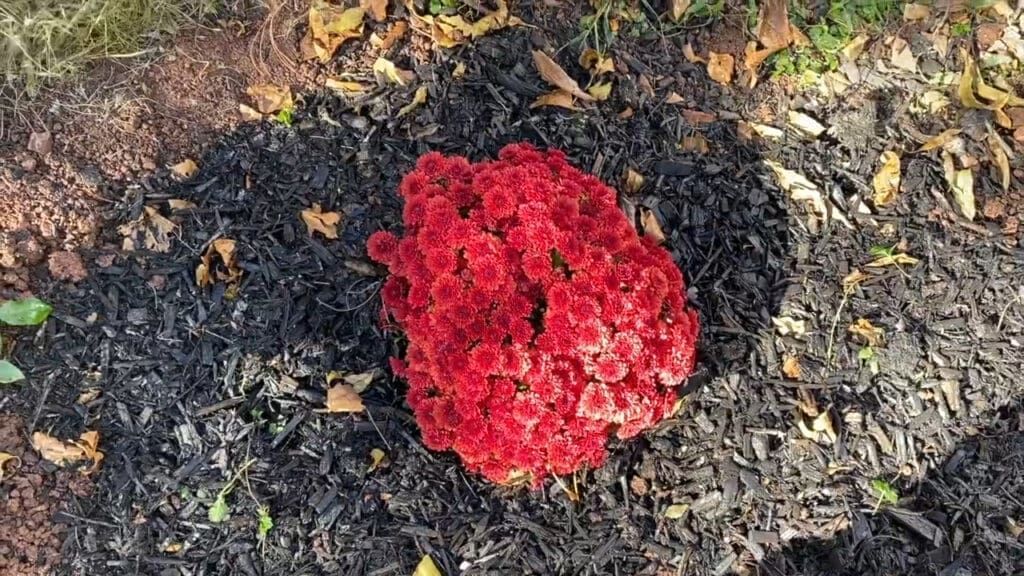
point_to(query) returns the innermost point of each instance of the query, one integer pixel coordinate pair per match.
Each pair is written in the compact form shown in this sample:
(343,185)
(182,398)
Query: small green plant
(438,6)
(610,18)
(879,251)
(265,523)
(24,312)
(220,510)
(869,358)
(885,491)
(961,29)
(285,115)
(829,33)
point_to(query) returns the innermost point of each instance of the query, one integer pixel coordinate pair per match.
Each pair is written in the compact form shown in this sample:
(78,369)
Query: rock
(29,164)
(67,266)
(41,143)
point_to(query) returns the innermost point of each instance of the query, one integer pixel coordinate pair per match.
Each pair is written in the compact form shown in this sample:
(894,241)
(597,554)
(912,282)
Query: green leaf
(885,491)
(9,373)
(882,251)
(220,510)
(24,312)
(866,353)
(285,116)
(266,523)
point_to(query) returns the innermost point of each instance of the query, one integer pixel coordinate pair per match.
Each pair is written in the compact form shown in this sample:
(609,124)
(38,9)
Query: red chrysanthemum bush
(538,322)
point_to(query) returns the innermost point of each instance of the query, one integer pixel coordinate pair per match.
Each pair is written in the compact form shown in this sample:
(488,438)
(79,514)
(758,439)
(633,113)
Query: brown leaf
(677,9)
(449,31)
(248,113)
(1000,158)
(553,74)
(871,335)
(185,169)
(394,35)
(852,280)
(887,180)
(720,67)
(559,98)
(940,140)
(633,181)
(690,56)
(378,9)
(62,453)
(4,459)
(791,367)
(330,26)
(695,117)
(270,98)
(901,55)
(209,272)
(325,223)
(773,30)
(913,12)
(343,398)
(674,98)
(652,229)
(695,143)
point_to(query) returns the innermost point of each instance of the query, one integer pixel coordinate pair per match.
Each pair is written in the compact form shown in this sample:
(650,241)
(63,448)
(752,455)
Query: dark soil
(202,386)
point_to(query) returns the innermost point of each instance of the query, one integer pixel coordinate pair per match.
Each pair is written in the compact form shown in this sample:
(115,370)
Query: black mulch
(196,385)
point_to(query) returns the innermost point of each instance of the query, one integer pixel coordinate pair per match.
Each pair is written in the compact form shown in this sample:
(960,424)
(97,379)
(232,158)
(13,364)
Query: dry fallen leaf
(695,143)
(378,459)
(652,229)
(270,98)
(386,71)
(420,97)
(791,367)
(855,47)
(633,181)
(553,74)
(766,131)
(62,453)
(156,231)
(690,56)
(696,117)
(962,186)
(449,31)
(345,86)
(676,511)
(329,27)
(677,9)
(1000,158)
(940,140)
(15,462)
(868,332)
(852,280)
(592,61)
(674,98)
(343,398)
(600,91)
(208,272)
(895,259)
(912,12)
(426,567)
(378,9)
(720,67)
(901,56)
(805,124)
(821,428)
(887,180)
(179,204)
(559,98)
(787,325)
(88,395)
(325,223)
(185,169)
(803,190)
(773,29)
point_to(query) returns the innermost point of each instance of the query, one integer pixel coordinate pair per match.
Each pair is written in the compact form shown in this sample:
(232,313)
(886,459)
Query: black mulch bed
(197,385)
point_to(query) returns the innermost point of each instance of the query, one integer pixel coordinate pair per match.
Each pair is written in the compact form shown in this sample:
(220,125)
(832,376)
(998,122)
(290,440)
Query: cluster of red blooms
(538,322)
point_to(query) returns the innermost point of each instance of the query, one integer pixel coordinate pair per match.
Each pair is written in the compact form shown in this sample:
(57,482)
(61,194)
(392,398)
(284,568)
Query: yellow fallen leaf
(805,123)
(962,186)
(896,259)
(592,61)
(14,461)
(720,67)
(677,9)
(855,47)
(156,231)
(553,74)
(676,511)
(940,140)
(887,180)
(270,98)
(426,567)
(821,428)
(179,204)
(803,190)
(459,71)
(868,332)
(418,98)
(343,398)
(386,70)
(600,91)
(634,181)
(378,9)
(208,272)
(559,98)
(325,223)
(766,131)
(185,169)
(450,30)
(791,367)
(852,280)
(330,26)
(787,325)
(345,86)
(690,56)
(378,459)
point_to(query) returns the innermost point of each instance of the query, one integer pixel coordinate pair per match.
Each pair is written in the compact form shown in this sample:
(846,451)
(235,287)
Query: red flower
(538,322)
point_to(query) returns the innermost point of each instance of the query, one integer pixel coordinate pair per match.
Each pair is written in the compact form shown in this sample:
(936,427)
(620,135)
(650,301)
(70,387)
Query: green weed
(24,312)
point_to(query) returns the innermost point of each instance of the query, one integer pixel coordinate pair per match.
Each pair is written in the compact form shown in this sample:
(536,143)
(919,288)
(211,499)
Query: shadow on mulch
(964,518)
(195,384)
